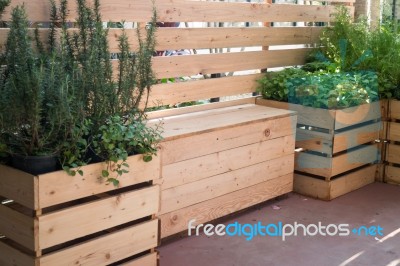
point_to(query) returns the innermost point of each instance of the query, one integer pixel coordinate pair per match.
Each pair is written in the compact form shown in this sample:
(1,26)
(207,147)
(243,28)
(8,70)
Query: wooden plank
(314,140)
(357,136)
(217,119)
(186,11)
(359,114)
(310,116)
(59,187)
(147,260)
(107,249)
(85,219)
(195,169)
(179,66)
(179,92)
(18,227)
(11,256)
(394,109)
(393,131)
(197,108)
(190,147)
(351,160)
(177,221)
(353,181)
(330,167)
(328,190)
(204,38)
(392,153)
(392,175)
(18,186)
(176,198)
(384,109)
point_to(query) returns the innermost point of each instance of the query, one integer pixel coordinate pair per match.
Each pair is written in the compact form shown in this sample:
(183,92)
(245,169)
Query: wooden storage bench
(338,153)
(56,219)
(218,161)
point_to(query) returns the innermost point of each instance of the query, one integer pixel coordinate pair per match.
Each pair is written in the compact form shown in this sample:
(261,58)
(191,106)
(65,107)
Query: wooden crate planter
(392,144)
(333,144)
(57,219)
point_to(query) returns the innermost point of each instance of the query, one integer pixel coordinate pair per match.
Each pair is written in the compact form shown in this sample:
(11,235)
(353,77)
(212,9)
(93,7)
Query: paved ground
(376,204)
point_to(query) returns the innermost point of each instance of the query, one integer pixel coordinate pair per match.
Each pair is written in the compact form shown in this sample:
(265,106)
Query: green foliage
(321,89)
(120,137)
(63,97)
(333,90)
(355,46)
(37,112)
(273,85)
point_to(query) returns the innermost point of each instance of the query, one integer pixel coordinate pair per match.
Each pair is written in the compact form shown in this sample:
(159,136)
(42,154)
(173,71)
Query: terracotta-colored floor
(376,204)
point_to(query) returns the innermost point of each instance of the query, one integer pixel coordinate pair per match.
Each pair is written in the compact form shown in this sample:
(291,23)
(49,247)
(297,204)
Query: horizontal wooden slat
(186,148)
(159,114)
(146,260)
(328,190)
(181,10)
(19,186)
(392,153)
(177,221)
(75,222)
(192,170)
(11,256)
(198,38)
(358,114)
(314,140)
(393,131)
(174,93)
(205,189)
(355,137)
(394,109)
(107,249)
(59,187)
(309,116)
(179,66)
(217,119)
(392,175)
(330,167)
(17,226)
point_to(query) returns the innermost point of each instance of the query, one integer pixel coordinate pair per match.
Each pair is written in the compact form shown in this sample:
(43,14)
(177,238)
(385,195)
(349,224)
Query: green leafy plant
(120,137)
(37,110)
(273,85)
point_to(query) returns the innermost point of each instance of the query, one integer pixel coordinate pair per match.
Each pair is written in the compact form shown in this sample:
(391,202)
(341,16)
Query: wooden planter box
(57,219)
(392,144)
(334,144)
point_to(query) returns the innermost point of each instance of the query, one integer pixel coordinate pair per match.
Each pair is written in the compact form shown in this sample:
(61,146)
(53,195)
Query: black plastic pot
(35,165)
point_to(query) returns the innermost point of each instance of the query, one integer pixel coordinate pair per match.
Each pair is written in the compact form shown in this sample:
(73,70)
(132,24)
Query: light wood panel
(108,249)
(177,221)
(392,175)
(330,167)
(393,153)
(328,190)
(179,66)
(146,260)
(11,256)
(18,227)
(217,119)
(59,187)
(186,11)
(179,92)
(186,148)
(195,169)
(75,222)
(208,188)
(19,186)
(394,109)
